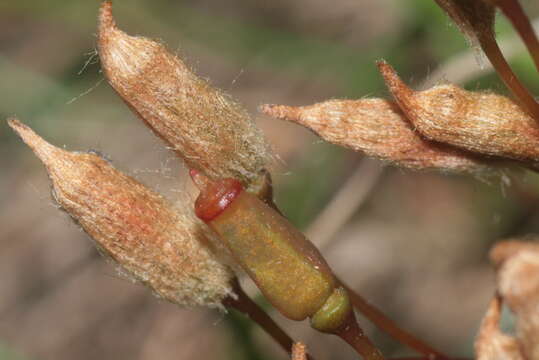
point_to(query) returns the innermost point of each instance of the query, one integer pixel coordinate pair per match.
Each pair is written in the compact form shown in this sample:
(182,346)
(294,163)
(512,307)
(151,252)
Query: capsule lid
(215,196)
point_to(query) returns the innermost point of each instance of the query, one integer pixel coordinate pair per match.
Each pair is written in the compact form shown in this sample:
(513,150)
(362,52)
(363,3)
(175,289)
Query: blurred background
(415,244)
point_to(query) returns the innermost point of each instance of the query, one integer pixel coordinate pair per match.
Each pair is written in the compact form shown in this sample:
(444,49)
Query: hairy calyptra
(481,122)
(491,343)
(517,267)
(378,128)
(159,245)
(299,351)
(204,126)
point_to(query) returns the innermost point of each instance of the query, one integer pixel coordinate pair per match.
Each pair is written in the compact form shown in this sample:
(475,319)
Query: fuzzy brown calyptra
(299,351)
(159,245)
(517,265)
(491,343)
(481,122)
(378,128)
(204,126)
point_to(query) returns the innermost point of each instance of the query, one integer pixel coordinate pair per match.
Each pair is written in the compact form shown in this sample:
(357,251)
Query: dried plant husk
(491,343)
(157,244)
(204,126)
(480,122)
(380,129)
(517,264)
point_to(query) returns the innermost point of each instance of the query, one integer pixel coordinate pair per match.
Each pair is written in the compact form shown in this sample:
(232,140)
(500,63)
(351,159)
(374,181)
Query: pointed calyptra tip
(394,83)
(106,20)
(43,150)
(384,67)
(122,56)
(282,112)
(402,93)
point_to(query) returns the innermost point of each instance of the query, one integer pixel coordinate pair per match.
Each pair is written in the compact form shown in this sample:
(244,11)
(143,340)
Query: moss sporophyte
(189,254)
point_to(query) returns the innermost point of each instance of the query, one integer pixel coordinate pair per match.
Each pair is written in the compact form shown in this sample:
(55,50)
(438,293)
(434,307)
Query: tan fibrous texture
(481,122)
(204,126)
(491,343)
(518,284)
(157,244)
(378,128)
(475,18)
(299,351)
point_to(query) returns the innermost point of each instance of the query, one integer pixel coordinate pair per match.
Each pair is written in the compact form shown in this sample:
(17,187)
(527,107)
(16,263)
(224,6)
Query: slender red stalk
(514,12)
(354,336)
(390,327)
(492,50)
(247,306)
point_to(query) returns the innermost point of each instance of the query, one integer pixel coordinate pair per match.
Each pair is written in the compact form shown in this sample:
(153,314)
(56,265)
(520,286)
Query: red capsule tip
(214,197)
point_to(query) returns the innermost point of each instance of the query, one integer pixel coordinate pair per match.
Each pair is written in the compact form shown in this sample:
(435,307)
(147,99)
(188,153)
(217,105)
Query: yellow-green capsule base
(287,268)
(333,314)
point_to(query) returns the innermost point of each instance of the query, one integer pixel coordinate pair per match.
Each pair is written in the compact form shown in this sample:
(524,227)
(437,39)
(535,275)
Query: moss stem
(492,50)
(247,306)
(387,325)
(355,337)
(514,12)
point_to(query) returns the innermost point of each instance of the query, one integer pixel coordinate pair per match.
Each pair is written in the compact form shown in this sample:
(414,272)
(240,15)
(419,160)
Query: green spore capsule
(285,265)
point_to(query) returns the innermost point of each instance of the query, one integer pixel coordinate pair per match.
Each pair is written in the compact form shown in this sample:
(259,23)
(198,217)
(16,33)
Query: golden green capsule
(287,268)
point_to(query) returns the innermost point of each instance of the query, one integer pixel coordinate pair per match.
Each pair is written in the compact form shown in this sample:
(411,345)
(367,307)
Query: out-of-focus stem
(492,50)
(390,327)
(344,203)
(354,336)
(247,306)
(514,12)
